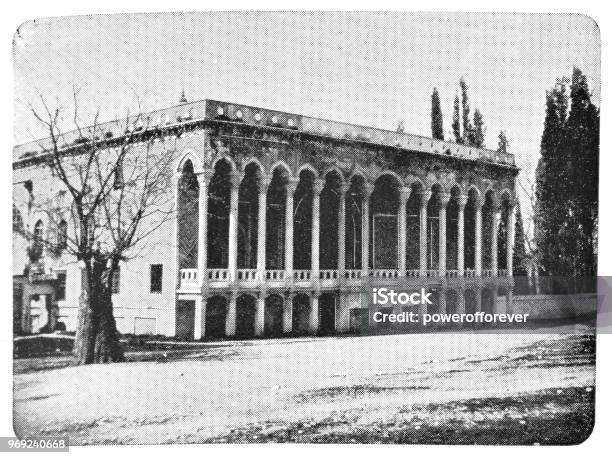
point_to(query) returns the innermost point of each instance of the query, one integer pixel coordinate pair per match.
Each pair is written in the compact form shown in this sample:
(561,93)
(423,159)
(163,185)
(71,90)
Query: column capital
(425,196)
(235,179)
(368,189)
(317,186)
(444,199)
(479,202)
(404,194)
(205,176)
(263,181)
(344,188)
(291,185)
(462,201)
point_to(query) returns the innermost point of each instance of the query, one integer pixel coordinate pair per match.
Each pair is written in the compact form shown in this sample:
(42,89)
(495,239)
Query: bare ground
(417,388)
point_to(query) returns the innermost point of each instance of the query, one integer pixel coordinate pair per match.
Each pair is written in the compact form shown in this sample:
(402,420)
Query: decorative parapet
(213,110)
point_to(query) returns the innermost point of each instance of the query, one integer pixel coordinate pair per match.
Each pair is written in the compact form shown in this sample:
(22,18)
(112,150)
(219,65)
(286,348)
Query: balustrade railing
(247,274)
(189,277)
(384,273)
(302,275)
(275,275)
(218,274)
(352,274)
(328,275)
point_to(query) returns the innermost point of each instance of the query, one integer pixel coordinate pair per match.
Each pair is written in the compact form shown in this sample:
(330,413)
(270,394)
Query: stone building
(284,224)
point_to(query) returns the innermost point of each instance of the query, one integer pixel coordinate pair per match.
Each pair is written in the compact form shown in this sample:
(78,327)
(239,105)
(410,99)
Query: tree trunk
(97,339)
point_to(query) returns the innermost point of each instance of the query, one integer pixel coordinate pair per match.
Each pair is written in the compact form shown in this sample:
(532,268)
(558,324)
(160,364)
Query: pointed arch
(333,169)
(225,158)
(253,160)
(189,156)
(283,165)
(308,167)
(475,189)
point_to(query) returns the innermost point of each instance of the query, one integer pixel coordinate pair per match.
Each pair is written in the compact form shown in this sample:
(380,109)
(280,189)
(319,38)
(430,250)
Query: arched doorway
(245,316)
(216,311)
(301,314)
(327,313)
(273,316)
(384,205)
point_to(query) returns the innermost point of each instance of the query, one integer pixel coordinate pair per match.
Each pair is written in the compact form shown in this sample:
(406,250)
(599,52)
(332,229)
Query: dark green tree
(437,126)
(457,121)
(479,130)
(465,112)
(519,255)
(582,149)
(566,181)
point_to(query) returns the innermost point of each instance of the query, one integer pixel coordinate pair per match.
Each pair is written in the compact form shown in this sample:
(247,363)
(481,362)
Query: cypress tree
(582,148)
(465,111)
(519,255)
(479,129)
(437,127)
(551,211)
(456,121)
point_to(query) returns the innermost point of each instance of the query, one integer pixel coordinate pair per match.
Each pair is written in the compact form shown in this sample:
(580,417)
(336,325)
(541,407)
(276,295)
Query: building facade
(283,225)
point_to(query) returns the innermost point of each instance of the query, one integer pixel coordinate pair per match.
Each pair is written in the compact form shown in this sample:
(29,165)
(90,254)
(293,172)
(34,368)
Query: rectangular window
(60,291)
(156,278)
(115,281)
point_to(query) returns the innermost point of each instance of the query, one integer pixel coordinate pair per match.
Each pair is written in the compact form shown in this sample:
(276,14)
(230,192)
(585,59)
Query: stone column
(314,312)
(203,182)
(287,313)
(442,300)
(461,202)
(260,310)
(200,304)
(494,231)
(343,313)
(444,199)
(510,240)
(365,230)
(479,202)
(264,182)
(235,179)
(509,299)
(344,187)
(404,195)
(290,188)
(230,318)
(425,196)
(316,219)
(478,293)
(199,327)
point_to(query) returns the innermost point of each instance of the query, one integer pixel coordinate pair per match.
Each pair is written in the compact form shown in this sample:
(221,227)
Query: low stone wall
(547,307)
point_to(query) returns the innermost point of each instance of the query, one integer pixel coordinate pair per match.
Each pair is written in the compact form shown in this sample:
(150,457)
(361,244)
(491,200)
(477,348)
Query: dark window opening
(60,291)
(156,278)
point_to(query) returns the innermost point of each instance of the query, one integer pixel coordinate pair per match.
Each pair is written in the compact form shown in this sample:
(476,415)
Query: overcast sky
(365,68)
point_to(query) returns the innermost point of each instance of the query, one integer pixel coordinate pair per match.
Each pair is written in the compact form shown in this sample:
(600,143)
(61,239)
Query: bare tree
(115,185)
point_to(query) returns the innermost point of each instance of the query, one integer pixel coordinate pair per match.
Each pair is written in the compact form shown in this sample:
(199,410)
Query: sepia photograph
(305,227)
